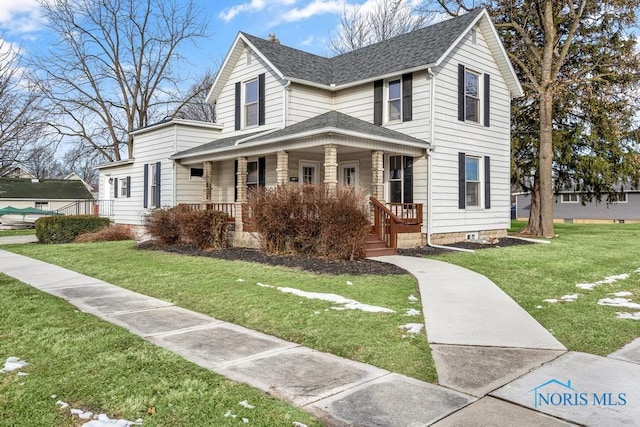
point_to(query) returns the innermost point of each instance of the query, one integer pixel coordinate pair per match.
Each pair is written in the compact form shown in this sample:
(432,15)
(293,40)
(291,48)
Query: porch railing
(409,213)
(385,223)
(228,208)
(87,207)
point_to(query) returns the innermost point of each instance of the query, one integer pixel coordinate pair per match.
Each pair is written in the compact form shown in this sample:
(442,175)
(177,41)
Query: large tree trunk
(545,165)
(534,226)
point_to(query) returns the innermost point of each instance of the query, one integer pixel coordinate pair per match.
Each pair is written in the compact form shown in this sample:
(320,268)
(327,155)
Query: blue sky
(303,24)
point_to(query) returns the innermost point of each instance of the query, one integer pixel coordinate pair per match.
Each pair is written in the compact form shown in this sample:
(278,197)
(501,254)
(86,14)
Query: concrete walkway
(485,379)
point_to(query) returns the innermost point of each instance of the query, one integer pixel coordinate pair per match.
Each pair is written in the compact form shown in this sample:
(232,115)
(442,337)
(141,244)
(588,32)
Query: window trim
(153,184)
(35,204)
(246,105)
(388,100)
(479,181)
(304,163)
(625,198)
(569,201)
(353,163)
(191,174)
(252,184)
(478,99)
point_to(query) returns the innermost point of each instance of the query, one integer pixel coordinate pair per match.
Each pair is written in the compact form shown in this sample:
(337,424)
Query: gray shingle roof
(218,143)
(418,48)
(336,120)
(46,189)
(330,120)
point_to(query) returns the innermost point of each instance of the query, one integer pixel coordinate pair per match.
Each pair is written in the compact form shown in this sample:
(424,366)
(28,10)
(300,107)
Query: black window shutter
(261,171)
(158,175)
(238,105)
(115,188)
(487,183)
(377,102)
(261,92)
(408,180)
(461,92)
(461,181)
(407,104)
(145,197)
(487,99)
(128,186)
(235,181)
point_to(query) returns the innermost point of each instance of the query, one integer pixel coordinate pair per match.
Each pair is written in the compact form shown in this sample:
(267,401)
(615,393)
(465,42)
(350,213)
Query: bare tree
(20,119)
(387,19)
(116,66)
(195,106)
(40,160)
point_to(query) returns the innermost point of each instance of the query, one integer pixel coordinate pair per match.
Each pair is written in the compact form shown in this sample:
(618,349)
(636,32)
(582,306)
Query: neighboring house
(46,194)
(568,207)
(421,122)
(17,172)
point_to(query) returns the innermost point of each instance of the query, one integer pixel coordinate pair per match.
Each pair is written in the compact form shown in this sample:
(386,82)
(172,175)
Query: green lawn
(581,253)
(211,286)
(25,232)
(93,365)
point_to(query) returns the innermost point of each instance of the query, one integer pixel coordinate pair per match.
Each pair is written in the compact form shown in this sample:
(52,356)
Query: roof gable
(46,189)
(420,49)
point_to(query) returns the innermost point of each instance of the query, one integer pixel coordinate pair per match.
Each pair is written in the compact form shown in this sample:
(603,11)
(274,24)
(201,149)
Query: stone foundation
(448,238)
(244,239)
(411,240)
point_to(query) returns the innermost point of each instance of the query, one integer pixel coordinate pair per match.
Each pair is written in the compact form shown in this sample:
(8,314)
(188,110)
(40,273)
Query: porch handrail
(408,213)
(385,223)
(228,208)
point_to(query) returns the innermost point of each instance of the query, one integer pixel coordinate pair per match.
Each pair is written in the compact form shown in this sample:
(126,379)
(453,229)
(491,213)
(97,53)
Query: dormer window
(251,103)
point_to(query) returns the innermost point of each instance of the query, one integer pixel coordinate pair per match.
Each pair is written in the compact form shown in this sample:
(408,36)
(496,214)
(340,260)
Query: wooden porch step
(373,247)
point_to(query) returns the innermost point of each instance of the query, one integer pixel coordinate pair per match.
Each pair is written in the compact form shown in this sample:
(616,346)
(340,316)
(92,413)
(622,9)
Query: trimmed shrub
(107,234)
(311,221)
(173,226)
(65,228)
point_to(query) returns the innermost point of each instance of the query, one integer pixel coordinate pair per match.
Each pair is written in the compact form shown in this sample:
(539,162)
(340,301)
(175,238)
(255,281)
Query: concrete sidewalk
(481,384)
(13,240)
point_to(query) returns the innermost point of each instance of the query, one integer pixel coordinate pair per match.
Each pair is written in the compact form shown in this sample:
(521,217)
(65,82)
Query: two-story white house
(420,122)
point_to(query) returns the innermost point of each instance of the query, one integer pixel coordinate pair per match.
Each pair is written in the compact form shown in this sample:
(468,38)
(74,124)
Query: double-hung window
(569,198)
(251,103)
(123,187)
(252,174)
(154,185)
(472,181)
(472,96)
(394,102)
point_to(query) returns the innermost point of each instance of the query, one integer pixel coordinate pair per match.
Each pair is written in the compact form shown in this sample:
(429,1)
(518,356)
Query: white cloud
(251,7)
(21,16)
(308,42)
(316,7)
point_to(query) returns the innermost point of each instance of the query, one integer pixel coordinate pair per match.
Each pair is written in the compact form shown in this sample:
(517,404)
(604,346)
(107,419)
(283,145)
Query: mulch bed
(326,266)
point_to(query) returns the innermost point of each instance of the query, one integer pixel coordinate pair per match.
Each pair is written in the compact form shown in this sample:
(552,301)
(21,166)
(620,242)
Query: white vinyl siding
(305,102)
(474,139)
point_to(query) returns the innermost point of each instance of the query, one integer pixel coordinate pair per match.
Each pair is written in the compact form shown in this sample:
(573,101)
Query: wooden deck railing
(385,223)
(228,208)
(409,213)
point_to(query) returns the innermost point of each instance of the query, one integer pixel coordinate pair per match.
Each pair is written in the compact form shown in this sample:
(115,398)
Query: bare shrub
(311,221)
(205,229)
(108,234)
(163,226)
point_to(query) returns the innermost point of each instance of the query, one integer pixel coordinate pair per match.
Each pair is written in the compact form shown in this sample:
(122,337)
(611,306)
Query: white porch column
(377,175)
(331,167)
(207,180)
(282,168)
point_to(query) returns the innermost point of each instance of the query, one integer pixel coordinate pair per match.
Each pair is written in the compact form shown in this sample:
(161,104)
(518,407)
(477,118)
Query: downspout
(432,132)
(174,169)
(285,104)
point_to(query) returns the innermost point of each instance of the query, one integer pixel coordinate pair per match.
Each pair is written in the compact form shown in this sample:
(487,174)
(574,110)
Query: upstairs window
(251,103)
(472,96)
(394,100)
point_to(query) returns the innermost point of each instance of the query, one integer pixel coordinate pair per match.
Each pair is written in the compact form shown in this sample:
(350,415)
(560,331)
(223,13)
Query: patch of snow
(618,302)
(297,424)
(412,298)
(607,280)
(569,298)
(625,315)
(262,285)
(22,374)
(12,363)
(638,270)
(550,300)
(412,328)
(349,282)
(538,306)
(53,396)
(229,414)
(62,404)
(83,415)
(316,313)
(245,420)
(412,312)
(246,404)
(240,280)
(622,294)
(104,421)
(348,303)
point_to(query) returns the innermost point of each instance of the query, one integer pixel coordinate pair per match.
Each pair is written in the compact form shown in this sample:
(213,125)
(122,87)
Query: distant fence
(88,207)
